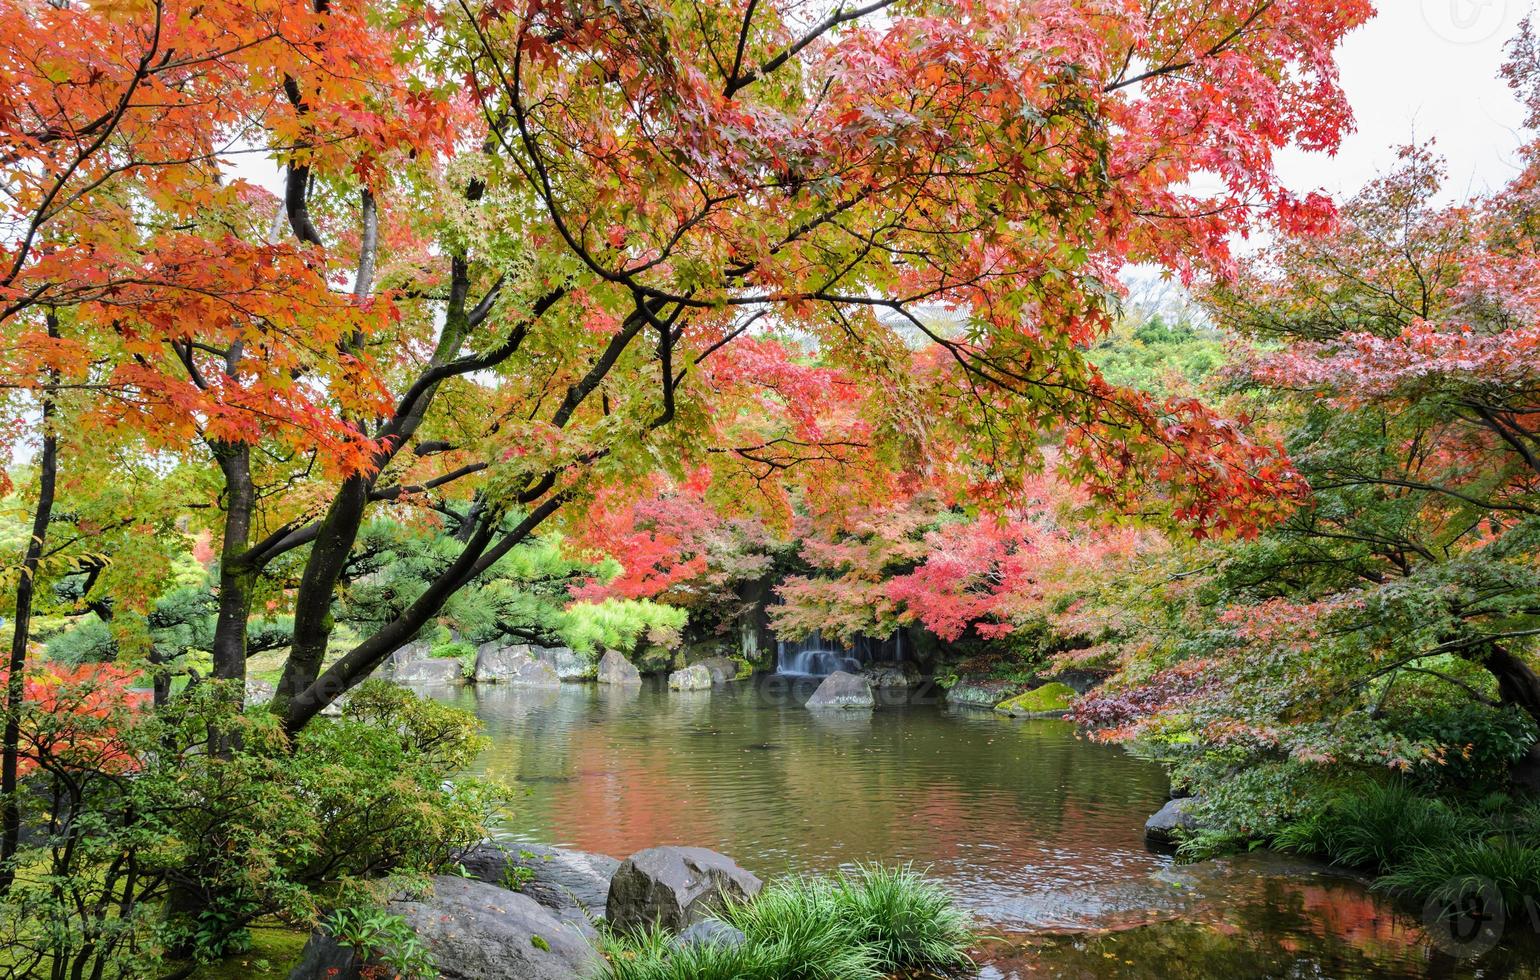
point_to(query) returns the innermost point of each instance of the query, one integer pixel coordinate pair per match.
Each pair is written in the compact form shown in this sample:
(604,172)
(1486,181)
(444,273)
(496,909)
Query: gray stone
(1176,816)
(259,691)
(497,662)
(675,887)
(711,932)
(983,692)
(568,663)
(891,677)
(723,669)
(842,690)
(693,678)
(440,670)
(614,668)
(406,654)
(559,879)
(475,931)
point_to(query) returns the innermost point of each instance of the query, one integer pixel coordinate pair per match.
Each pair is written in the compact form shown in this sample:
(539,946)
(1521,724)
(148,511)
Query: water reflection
(1033,829)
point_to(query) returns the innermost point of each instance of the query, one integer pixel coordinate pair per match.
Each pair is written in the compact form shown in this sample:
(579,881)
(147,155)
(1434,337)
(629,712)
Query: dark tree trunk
(1517,683)
(323,569)
(10,753)
(237,576)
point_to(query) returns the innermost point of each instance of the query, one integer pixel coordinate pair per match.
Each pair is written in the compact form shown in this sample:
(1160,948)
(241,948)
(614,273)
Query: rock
(1048,701)
(674,887)
(614,668)
(513,665)
(723,669)
(406,654)
(1175,816)
(695,678)
(842,690)
(559,879)
(474,931)
(323,958)
(499,662)
(710,932)
(981,692)
(568,663)
(891,677)
(440,670)
(259,691)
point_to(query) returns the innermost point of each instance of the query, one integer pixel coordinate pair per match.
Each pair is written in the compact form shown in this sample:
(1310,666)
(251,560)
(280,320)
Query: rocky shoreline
(531,912)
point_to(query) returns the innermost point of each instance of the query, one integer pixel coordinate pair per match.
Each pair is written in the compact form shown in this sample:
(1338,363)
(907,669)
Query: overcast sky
(1425,69)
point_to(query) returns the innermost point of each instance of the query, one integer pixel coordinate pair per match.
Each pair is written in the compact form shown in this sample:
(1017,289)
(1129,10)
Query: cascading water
(813,656)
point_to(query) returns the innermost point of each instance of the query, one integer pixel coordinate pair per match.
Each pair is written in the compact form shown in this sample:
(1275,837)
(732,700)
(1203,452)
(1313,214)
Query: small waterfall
(813,656)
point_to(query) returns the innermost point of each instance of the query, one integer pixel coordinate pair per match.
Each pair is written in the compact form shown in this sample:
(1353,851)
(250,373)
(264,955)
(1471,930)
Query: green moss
(1050,698)
(275,950)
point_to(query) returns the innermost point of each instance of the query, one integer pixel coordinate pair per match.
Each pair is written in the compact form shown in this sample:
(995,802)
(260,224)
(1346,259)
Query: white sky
(1425,69)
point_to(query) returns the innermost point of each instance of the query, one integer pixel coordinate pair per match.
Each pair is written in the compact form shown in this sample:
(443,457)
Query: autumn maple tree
(524,252)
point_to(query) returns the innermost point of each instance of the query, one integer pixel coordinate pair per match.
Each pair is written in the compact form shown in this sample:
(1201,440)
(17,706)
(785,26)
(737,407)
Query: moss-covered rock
(1050,700)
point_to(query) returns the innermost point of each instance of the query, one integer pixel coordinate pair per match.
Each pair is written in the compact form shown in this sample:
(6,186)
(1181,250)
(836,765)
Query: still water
(1039,833)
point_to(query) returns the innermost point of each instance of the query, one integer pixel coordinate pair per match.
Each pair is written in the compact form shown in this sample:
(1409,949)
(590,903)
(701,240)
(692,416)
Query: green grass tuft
(863,925)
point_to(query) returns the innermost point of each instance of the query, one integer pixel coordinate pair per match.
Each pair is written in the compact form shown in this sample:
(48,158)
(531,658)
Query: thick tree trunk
(1517,683)
(313,606)
(10,752)
(237,577)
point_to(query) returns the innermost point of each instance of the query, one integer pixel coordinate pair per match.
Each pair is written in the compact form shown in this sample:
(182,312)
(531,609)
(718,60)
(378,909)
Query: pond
(1036,831)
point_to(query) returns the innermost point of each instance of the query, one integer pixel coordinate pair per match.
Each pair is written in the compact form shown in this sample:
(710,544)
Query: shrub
(1480,746)
(384,939)
(169,831)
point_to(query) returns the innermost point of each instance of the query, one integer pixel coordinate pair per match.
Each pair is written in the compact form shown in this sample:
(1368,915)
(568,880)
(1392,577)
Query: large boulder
(982,692)
(440,670)
(1171,820)
(614,668)
(891,677)
(498,663)
(568,663)
(1049,701)
(723,669)
(406,654)
(562,880)
(474,931)
(697,677)
(842,690)
(675,887)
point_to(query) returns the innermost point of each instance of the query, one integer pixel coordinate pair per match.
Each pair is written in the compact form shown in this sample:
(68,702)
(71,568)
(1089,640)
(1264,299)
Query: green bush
(1480,746)
(858,926)
(173,829)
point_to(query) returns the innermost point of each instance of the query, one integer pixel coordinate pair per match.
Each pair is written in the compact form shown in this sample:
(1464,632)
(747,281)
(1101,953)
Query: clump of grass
(908,920)
(863,925)
(1448,874)
(1378,827)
